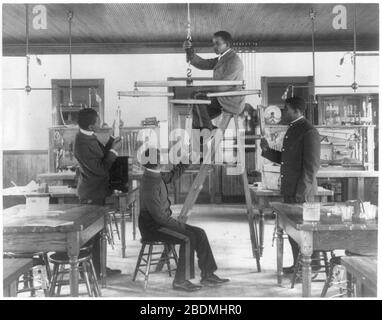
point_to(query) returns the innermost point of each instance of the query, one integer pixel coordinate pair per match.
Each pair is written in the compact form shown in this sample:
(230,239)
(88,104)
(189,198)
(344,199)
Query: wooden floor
(228,232)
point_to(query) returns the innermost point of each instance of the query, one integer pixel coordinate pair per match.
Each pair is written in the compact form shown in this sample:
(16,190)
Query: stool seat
(156,243)
(85,267)
(63,258)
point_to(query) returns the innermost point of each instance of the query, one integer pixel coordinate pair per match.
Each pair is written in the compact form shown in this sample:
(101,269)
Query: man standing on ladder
(227,66)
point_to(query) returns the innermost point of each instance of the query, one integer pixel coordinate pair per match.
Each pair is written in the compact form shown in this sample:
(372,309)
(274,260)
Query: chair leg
(326,262)
(139,261)
(174,254)
(167,257)
(328,280)
(295,271)
(31,283)
(85,271)
(147,273)
(97,290)
(61,269)
(47,266)
(116,225)
(54,280)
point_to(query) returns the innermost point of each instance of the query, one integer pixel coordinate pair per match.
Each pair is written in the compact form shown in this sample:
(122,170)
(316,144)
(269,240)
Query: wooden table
(262,199)
(61,228)
(362,271)
(12,270)
(328,234)
(121,202)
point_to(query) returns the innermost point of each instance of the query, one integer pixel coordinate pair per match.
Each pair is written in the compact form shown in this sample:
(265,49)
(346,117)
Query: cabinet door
(330,110)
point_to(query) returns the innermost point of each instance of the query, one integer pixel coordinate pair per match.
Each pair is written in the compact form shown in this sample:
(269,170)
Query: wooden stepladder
(197,185)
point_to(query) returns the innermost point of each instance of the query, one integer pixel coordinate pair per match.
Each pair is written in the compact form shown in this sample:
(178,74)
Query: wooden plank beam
(233,93)
(190,101)
(183,83)
(18,49)
(137,93)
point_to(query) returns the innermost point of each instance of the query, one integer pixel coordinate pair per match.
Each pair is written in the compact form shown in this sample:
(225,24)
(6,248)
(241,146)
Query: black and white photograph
(181,150)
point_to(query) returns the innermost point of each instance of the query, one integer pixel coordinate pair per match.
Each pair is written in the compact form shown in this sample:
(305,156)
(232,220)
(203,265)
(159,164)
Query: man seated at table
(95,161)
(299,160)
(156,224)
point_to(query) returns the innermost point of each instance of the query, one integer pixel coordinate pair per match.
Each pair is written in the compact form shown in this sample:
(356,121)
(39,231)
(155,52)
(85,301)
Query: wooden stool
(165,257)
(86,270)
(40,259)
(326,268)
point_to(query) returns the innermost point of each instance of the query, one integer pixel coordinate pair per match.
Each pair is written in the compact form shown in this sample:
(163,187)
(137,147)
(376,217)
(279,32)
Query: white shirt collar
(299,118)
(220,56)
(152,170)
(88,133)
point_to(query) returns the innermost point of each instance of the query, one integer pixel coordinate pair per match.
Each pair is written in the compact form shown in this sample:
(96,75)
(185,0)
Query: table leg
(306,257)
(103,248)
(261,231)
(134,218)
(280,252)
(350,285)
(123,227)
(10,290)
(73,252)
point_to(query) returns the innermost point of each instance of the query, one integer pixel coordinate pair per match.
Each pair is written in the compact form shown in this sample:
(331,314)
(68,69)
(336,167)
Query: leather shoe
(112,272)
(185,286)
(212,279)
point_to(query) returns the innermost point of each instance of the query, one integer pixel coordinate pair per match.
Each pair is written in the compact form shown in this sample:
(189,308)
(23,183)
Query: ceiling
(161,27)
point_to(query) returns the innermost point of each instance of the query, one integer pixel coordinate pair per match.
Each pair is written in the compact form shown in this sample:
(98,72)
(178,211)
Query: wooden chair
(165,256)
(86,270)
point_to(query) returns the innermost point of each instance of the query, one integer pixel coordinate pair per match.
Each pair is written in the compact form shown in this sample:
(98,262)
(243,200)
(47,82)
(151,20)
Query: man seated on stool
(156,224)
(227,66)
(95,161)
(300,161)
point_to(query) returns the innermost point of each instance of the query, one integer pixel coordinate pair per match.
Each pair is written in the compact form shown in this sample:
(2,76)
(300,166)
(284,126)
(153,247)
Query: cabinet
(352,109)
(61,146)
(85,93)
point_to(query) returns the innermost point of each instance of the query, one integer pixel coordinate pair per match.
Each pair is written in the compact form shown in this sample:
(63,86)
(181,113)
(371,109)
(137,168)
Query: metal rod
(70,17)
(312,15)
(27,42)
(354,46)
(336,86)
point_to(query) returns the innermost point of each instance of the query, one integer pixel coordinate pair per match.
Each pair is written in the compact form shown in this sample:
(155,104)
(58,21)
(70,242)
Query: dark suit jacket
(299,159)
(229,67)
(95,161)
(155,204)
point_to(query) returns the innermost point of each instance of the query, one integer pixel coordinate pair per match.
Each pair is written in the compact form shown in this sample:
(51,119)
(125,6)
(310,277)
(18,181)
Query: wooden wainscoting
(22,166)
